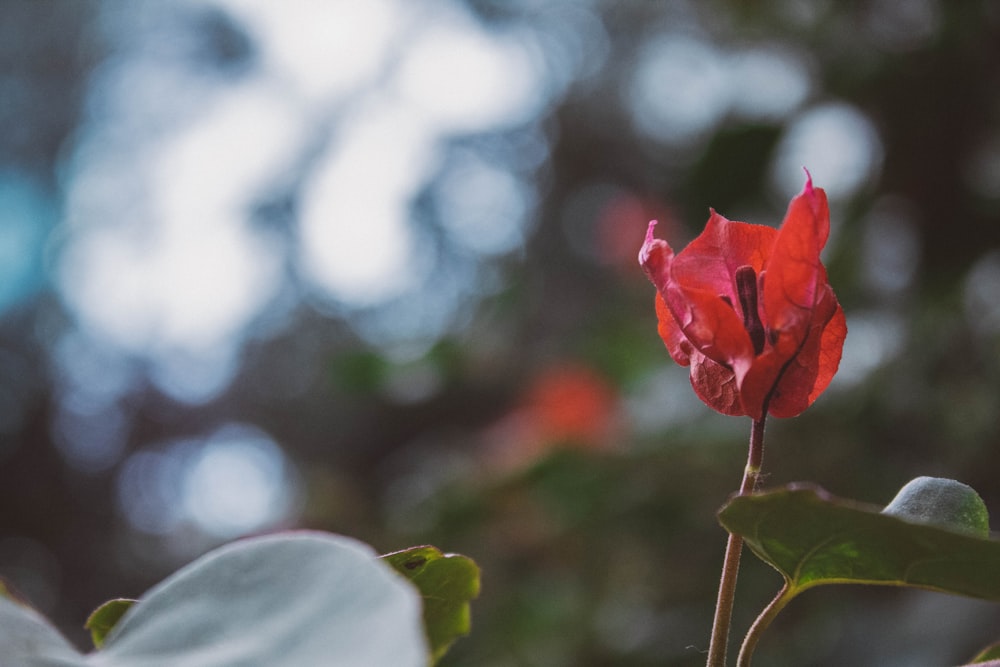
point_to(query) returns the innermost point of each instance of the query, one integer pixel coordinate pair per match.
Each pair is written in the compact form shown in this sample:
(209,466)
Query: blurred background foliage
(370,268)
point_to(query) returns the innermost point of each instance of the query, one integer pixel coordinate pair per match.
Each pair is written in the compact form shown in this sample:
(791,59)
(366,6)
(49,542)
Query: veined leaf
(813,538)
(447,582)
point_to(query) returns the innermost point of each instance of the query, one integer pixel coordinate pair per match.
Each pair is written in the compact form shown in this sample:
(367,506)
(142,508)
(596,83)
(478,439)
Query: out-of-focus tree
(370,267)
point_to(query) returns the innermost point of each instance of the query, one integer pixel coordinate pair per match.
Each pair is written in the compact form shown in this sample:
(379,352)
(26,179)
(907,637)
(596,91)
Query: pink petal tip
(649,230)
(644,250)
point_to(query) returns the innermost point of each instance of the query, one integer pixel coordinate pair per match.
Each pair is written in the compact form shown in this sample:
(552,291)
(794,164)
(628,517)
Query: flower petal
(757,384)
(794,275)
(710,261)
(788,383)
(678,346)
(715,385)
(655,257)
(812,369)
(701,288)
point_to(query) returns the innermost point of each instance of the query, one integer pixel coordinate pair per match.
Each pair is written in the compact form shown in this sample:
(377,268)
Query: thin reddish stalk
(762,623)
(734,547)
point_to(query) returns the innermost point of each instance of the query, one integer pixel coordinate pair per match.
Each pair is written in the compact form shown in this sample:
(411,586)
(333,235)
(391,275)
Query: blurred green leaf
(360,372)
(447,583)
(105,617)
(990,653)
(813,538)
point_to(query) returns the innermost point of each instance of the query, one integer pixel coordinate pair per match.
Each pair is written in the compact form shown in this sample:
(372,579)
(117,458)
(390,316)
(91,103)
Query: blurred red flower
(564,406)
(572,403)
(749,309)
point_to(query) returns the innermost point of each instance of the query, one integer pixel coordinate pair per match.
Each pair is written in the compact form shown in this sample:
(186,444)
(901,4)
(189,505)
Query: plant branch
(761,624)
(734,547)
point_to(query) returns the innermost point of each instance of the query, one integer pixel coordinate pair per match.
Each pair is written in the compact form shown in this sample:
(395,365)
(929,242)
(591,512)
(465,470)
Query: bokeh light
(233,482)
(27,214)
(357,243)
(238,483)
(837,143)
(680,90)
(370,267)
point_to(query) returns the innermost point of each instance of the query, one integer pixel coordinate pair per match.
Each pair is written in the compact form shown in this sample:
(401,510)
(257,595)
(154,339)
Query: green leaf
(447,583)
(812,538)
(105,617)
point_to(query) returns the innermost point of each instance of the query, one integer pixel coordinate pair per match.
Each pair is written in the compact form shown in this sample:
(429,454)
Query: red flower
(750,310)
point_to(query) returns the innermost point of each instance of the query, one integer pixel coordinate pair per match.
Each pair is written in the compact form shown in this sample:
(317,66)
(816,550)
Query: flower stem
(762,623)
(734,547)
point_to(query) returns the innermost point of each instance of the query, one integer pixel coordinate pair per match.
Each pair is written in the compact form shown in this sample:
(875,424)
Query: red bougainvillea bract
(749,309)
